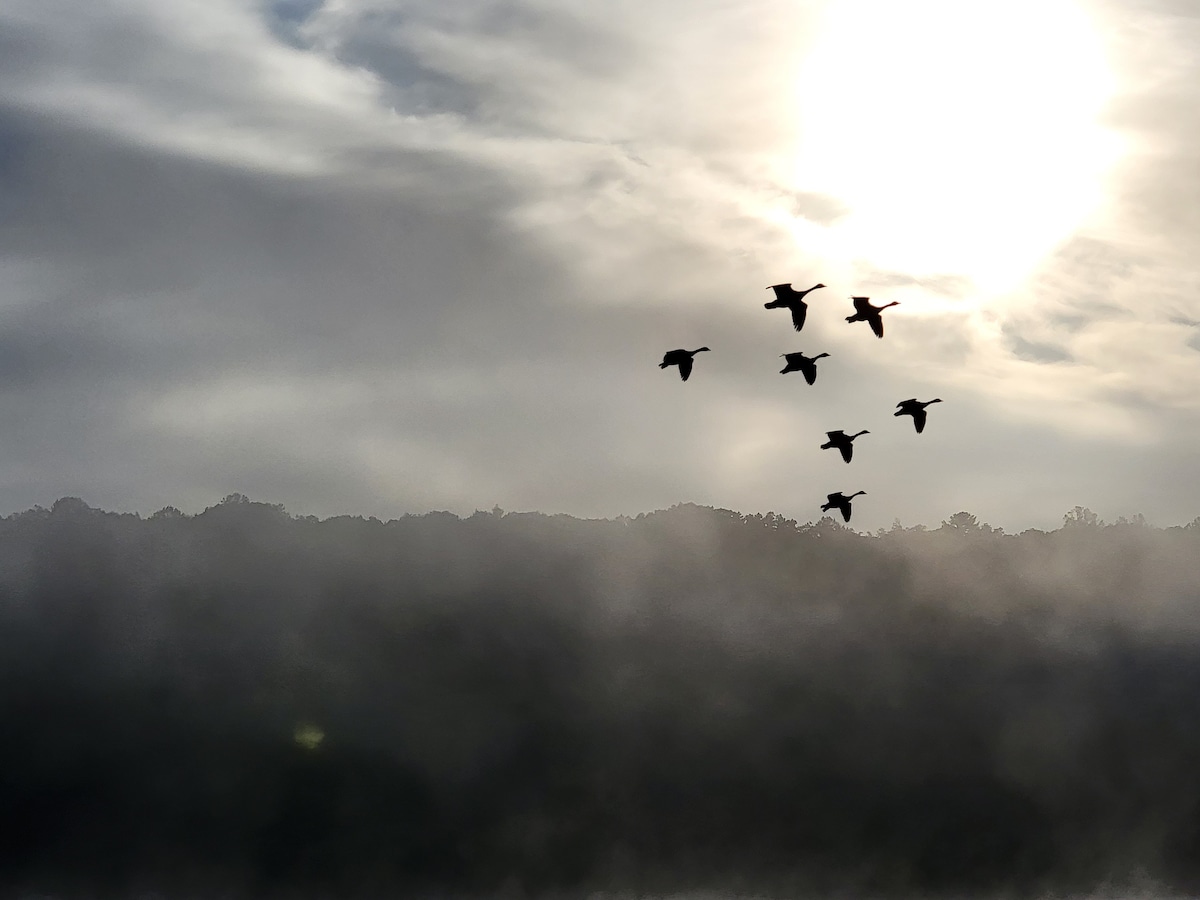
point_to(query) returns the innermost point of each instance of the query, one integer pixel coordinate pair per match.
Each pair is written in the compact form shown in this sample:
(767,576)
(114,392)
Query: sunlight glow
(964,138)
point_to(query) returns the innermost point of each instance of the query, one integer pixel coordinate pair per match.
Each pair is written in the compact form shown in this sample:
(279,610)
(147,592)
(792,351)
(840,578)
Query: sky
(382,257)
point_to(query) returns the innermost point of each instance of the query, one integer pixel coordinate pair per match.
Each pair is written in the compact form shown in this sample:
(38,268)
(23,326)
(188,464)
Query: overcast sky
(388,256)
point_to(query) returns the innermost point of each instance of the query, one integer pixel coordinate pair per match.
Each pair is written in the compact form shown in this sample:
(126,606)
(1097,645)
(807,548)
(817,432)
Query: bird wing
(846,510)
(877,325)
(847,451)
(799,311)
(809,369)
(781,291)
(685,368)
(862,304)
(919,419)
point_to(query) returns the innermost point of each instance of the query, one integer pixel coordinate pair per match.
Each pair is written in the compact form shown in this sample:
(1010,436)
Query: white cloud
(450,242)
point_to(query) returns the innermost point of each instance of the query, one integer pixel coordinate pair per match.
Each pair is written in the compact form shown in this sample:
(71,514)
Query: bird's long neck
(886,305)
(853,436)
(701,350)
(819,356)
(855,494)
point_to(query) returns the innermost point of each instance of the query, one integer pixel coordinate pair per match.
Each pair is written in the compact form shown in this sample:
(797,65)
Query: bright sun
(963,138)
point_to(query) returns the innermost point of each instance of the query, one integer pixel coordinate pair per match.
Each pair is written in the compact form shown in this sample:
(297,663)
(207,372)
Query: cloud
(1036,352)
(369,256)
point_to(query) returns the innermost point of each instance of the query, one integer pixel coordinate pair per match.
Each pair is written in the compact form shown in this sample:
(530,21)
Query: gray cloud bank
(377,258)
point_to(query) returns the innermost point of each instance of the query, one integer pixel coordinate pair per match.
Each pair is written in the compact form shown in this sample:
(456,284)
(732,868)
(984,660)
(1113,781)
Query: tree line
(260,704)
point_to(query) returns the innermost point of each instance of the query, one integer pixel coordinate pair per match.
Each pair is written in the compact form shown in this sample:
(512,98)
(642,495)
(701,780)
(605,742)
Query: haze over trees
(251,703)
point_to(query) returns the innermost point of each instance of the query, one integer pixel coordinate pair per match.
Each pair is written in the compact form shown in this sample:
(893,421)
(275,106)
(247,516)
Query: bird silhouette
(865,312)
(916,409)
(798,362)
(786,297)
(681,358)
(843,441)
(842,502)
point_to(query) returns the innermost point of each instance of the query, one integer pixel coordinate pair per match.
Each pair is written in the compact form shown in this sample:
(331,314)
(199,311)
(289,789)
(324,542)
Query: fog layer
(257,704)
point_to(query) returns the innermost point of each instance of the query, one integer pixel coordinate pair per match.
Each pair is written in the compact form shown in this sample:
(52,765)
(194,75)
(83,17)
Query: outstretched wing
(877,325)
(782,291)
(847,451)
(919,419)
(862,304)
(799,311)
(685,368)
(810,372)
(846,510)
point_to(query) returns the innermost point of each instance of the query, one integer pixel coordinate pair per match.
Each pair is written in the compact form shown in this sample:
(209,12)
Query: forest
(246,703)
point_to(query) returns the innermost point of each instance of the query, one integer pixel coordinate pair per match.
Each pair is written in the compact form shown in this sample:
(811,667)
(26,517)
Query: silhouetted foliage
(245,703)
(1081,516)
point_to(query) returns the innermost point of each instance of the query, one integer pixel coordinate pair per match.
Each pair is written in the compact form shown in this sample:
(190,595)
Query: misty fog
(249,703)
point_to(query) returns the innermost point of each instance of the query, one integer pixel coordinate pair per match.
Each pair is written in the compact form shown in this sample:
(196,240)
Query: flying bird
(798,362)
(681,358)
(788,298)
(842,502)
(865,312)
(843,441)
(916,409)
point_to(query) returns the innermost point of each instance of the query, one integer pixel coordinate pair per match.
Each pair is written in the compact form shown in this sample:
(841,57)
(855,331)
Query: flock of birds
(786,297)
